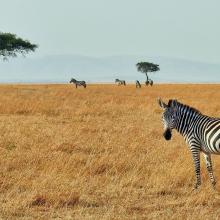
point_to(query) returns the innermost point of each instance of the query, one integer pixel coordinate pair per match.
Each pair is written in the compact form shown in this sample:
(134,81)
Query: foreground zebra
(138,85)
(120,82)
(201,132)
(78,83)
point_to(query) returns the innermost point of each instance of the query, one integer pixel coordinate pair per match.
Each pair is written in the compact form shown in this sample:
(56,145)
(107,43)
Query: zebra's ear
(172,103)
(161,103)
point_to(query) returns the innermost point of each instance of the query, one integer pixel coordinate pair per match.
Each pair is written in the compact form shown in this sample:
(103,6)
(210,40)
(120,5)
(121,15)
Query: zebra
(201,132)
(120,82)
(149,82)
(78,83)
(138,85)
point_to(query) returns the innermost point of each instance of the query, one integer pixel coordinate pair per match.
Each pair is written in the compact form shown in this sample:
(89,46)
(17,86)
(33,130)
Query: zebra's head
(168,117)
(72,80)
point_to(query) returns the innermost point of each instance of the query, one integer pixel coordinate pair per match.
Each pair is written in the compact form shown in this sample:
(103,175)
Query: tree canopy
(145,67)
(11,45)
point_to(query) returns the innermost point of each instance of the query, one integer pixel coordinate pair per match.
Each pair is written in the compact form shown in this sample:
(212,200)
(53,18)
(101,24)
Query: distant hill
(60,68)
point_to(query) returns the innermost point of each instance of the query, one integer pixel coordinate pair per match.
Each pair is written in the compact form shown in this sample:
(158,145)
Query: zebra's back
(212,136)
(207,133)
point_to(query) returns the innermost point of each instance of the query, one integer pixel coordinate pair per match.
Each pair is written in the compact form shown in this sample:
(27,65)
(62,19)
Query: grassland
(98,153)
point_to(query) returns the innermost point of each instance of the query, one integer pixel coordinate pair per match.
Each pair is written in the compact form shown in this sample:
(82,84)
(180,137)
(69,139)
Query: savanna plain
(99,153)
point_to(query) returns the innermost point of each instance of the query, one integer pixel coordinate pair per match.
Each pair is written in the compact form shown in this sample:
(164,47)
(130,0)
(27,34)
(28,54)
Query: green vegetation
(11,45)
(146,67)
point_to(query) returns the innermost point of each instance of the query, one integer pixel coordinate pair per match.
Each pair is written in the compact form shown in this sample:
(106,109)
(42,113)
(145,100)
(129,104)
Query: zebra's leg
(196,160)
(209,168)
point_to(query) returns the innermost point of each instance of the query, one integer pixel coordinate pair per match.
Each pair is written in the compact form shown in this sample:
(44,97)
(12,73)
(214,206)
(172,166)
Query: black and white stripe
(138,85)
(78,83)
(120,82)
(201,132)
(149,82)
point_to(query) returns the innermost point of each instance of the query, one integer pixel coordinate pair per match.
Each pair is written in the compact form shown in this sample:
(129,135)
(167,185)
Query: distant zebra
(138,85)
(78,83)
(120,82)
(149,82)
(201,132)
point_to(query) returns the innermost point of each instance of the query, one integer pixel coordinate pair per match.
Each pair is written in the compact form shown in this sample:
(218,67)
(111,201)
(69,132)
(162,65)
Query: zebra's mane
(188,107)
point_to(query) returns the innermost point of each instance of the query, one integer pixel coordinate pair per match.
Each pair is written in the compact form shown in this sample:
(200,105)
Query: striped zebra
(120,82)
(138,85)
(201,132)
(78,83)
(149,82)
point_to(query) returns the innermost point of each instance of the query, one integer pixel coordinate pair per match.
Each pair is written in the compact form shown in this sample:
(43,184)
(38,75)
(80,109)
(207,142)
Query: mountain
(60,68)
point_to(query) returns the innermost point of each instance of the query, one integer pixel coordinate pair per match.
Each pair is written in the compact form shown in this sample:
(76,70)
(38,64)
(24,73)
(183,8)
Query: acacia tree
(146,67)
(11,46)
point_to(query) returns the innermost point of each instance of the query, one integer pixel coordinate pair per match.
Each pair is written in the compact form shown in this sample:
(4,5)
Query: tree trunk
(147,77)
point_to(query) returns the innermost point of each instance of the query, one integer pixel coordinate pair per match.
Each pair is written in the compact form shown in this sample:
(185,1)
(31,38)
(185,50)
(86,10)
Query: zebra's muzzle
(167,134)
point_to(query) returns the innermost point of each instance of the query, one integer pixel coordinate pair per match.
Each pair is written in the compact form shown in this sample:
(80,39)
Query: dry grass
(98,153)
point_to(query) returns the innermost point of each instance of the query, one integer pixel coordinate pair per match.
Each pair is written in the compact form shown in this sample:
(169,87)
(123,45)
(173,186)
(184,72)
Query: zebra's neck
(185,117)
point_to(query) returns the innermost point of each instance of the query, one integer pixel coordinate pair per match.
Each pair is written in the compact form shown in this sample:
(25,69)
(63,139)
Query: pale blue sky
(172,28)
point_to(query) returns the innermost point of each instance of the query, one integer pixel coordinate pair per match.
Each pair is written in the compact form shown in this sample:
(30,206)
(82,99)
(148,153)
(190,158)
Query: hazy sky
(175,28)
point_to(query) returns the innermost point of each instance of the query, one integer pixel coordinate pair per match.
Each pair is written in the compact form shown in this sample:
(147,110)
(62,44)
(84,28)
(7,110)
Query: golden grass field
(99,153)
